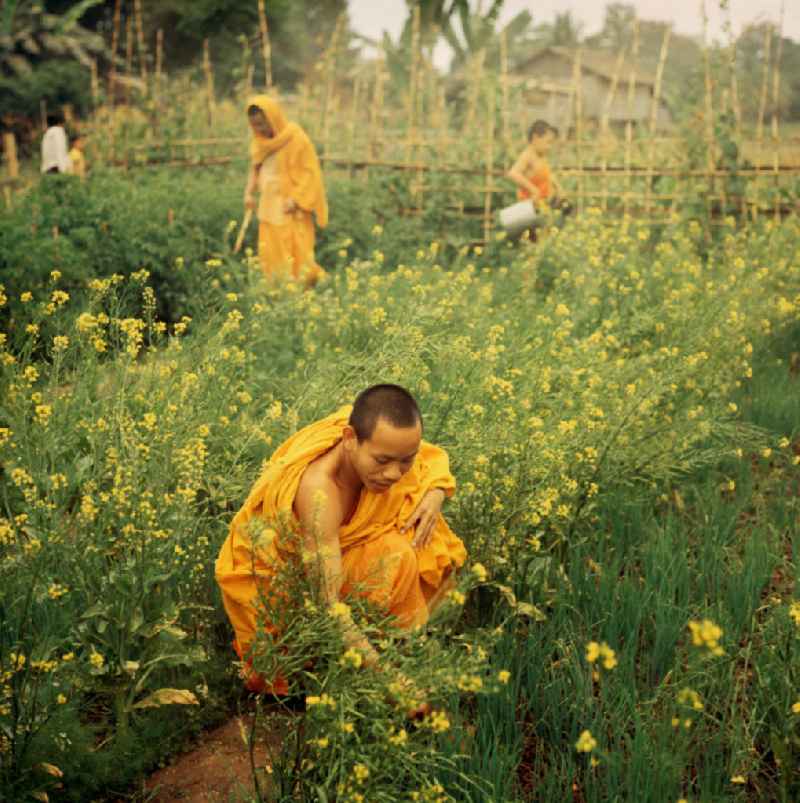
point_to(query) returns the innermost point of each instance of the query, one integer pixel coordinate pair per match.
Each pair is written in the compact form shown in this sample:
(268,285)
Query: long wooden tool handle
(248,216)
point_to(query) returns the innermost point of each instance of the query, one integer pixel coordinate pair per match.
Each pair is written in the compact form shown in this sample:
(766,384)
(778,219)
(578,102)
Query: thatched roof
(599,62)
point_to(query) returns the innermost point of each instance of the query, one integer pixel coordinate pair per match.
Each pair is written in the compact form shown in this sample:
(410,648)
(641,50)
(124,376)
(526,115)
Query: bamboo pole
(709,109)
(504,104)
(762,101)
(605,119)
(354,107)
(128,56)
(654,108)
(489,156)
(411,146)
(209,75)
(776,81)
(576,77)
(115,31)
(266,48)
(376,112)
(330,68)
(140,40)
(12,164)
(629,111)
(159,65)
(474,89)
(95,85)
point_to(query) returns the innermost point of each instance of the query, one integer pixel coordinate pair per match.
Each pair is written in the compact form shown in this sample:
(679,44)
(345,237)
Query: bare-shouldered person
(367,493)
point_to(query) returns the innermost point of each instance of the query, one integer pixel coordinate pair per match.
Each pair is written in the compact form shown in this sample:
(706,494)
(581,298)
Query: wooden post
(140,40)
(709,116)
(209,81)
(629,115)
(411,111)
(43,114)
(159,64)
(762,102)
(776,81)
(487,199)
(654,108)
(605,127)
(12,163)
(266,49)
(94,84)
(576,78)
(474,90)
(330,68)
(112,76)
(355,106)
(128,56)
(376,112)
(504,105)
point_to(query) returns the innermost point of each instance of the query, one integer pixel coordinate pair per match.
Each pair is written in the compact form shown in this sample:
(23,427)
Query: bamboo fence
(455,153)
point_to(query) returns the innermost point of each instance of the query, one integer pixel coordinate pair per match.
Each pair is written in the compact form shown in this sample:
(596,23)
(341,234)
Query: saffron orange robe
(288,170)
(377,559)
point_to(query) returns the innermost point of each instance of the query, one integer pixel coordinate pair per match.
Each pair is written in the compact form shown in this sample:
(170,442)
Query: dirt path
(217,770)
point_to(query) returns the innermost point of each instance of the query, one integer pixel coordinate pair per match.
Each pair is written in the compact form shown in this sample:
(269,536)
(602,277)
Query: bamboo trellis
(423,137)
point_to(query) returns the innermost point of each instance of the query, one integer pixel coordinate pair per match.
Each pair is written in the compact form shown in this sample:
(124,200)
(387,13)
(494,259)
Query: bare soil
(217,770)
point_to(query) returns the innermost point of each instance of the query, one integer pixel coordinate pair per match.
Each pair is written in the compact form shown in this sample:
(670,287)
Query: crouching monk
(285,171)
(365,492)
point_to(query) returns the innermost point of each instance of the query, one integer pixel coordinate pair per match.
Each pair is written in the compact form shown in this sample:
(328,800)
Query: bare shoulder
(317,496)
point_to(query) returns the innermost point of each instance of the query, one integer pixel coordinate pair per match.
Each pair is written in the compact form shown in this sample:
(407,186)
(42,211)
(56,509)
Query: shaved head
(390,402)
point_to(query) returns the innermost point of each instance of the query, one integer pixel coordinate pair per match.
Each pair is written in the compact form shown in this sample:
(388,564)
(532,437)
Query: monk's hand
(423,519)
(289,206)
(249,201)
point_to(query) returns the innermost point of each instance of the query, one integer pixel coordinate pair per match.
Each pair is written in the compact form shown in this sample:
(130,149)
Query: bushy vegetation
(619,409)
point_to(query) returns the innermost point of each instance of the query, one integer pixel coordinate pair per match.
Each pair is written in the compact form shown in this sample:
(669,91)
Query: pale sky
(371,17)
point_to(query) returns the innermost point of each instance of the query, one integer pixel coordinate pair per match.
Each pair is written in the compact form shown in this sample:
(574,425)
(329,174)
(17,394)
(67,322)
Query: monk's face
(380,461)
(260,124)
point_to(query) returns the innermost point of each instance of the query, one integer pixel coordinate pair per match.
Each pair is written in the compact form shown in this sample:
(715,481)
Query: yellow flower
(340,610)
(739,779)
(26,297)
(457,597)
(352,658)
(796,707)
(398,738)
(707,634)
(96,659)
(504,676)
(586,742)
(361,771)
(479,570)
(61,699)
(439,722)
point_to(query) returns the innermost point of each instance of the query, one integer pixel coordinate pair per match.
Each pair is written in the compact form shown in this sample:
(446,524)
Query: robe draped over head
(247,562)
(298,164)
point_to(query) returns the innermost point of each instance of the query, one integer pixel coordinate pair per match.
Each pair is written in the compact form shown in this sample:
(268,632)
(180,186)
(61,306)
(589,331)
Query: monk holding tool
(285,171)
(364,493)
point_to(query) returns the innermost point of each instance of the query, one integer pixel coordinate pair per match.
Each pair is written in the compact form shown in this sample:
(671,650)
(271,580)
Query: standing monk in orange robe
(364,492)
(285,172)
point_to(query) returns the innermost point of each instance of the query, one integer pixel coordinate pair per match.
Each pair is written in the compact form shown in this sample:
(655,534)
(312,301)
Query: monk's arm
(517,175)
(320,516)
(308,178)
(250,187)
(436,468)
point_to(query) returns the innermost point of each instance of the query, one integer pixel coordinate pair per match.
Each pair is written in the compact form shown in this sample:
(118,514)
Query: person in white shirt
(55,155)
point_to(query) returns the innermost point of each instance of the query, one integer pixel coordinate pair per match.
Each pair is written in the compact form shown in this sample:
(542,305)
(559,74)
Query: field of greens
(620,407)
